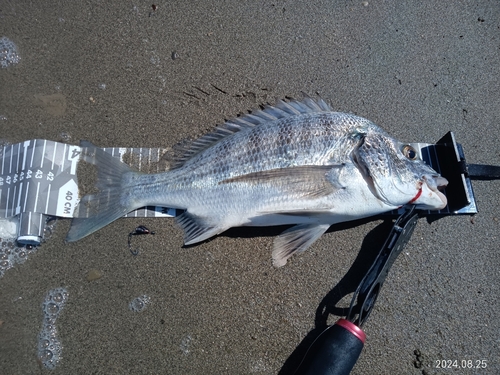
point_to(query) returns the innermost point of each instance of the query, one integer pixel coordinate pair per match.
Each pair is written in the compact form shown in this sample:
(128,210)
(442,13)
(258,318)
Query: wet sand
(126,75)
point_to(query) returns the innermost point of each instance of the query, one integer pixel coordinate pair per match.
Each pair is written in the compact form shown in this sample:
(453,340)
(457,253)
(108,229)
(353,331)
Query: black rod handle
(335,351)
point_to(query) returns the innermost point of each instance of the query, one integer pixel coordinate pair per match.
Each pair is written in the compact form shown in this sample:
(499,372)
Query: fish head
(396,174)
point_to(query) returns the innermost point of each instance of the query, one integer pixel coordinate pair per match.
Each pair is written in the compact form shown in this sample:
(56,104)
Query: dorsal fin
(280,110)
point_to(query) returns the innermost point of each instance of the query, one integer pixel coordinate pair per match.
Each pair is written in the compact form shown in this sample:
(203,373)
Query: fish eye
(409,152)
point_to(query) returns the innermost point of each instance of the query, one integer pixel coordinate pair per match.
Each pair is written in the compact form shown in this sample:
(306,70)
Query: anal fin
(196,229)
(296,240)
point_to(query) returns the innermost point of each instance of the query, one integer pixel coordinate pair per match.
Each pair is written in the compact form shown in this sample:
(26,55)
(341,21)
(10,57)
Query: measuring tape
(38,178)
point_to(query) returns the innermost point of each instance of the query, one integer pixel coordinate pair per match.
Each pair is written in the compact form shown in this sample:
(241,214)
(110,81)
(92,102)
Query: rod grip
(335,351)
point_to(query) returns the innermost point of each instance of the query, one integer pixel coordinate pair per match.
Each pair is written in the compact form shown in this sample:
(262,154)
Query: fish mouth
(435,184)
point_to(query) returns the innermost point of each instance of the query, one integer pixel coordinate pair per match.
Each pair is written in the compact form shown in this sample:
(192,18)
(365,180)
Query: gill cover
(396,175)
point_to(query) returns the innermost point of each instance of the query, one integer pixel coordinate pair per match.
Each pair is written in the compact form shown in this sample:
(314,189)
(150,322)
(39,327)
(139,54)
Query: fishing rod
(337,348)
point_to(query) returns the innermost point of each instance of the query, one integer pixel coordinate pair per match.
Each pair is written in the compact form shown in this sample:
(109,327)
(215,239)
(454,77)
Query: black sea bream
(294,163)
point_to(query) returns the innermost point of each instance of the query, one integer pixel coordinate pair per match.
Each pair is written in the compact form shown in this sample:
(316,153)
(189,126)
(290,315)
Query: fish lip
(440,181)
(436,183)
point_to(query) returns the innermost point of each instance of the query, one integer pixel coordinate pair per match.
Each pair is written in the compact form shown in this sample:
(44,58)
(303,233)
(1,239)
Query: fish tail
(112,201)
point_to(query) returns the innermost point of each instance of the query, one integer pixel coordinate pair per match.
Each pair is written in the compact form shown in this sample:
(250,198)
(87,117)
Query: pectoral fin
(296,240)
(307,181)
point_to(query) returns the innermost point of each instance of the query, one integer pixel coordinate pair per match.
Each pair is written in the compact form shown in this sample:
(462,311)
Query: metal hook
(141,229)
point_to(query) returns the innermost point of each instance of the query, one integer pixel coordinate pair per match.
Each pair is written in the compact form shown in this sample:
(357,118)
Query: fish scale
(297,163)
(311,135)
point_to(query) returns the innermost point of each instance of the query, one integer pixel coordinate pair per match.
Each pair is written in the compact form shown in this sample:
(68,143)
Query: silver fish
(297,162)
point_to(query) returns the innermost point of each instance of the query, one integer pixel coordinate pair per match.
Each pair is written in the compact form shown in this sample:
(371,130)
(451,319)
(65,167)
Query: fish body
(295,163)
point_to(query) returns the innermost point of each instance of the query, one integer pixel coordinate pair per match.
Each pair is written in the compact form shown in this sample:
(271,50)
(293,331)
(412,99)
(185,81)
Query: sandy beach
(131,74)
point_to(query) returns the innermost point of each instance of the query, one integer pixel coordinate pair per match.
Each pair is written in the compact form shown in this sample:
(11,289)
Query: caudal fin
(98,210)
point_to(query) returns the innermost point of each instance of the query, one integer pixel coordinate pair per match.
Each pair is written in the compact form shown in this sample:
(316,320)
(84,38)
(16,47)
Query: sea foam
(49,345)
(9,54)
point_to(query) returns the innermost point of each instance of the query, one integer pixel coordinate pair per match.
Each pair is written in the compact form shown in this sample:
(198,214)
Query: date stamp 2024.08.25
(455,364)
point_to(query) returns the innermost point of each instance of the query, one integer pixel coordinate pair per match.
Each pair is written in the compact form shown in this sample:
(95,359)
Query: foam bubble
(139,304)
(186,344)
(11,252)
(8,228)
(49,345)
(8,52)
